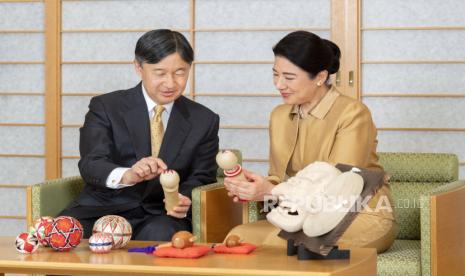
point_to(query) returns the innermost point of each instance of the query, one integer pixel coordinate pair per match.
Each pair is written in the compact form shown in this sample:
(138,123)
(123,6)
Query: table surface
(265,260)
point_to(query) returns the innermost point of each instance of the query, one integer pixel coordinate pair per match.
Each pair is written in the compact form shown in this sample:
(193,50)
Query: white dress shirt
(114,178)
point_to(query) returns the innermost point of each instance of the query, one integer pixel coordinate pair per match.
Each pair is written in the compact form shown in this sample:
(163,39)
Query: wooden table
(263,261)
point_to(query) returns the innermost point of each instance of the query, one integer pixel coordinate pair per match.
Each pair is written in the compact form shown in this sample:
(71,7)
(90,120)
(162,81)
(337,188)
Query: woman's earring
(319,83)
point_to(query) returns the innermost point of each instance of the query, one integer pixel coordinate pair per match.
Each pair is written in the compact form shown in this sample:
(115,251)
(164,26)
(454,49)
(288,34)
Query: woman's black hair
(309,52)
(155,45)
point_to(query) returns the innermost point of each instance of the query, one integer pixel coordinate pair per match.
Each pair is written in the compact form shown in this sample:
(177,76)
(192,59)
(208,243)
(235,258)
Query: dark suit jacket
(116,133)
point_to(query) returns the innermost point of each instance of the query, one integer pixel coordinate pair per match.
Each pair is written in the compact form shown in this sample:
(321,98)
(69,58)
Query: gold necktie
(156,130)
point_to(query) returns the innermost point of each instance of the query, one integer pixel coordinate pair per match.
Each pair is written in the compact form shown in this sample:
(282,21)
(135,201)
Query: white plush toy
(315,200)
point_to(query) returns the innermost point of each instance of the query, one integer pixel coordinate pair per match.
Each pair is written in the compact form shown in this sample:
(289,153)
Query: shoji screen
(413,67)
(231,75)
(98,41)
(233,72)
(22,108)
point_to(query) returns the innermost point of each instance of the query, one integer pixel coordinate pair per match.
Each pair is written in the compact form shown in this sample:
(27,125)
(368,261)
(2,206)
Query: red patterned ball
(39,229)
(26,243)
(64,234)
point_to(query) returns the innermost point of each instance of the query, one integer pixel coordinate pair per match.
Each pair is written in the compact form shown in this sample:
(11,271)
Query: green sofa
(417,182)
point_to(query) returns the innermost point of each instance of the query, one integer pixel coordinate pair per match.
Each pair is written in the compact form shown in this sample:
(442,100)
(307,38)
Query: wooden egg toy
(182,239)
(232,241)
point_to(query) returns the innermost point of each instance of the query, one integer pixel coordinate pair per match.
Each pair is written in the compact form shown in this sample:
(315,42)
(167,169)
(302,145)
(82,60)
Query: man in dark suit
(130,136)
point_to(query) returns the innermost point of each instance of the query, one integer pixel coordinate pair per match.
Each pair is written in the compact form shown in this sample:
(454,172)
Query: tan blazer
(338,130)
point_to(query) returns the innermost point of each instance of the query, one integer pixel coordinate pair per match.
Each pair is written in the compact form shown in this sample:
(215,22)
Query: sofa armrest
(214,213)
(442,230)
(51,197)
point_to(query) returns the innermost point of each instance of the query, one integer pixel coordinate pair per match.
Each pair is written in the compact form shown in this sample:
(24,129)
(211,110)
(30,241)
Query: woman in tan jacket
(315,123)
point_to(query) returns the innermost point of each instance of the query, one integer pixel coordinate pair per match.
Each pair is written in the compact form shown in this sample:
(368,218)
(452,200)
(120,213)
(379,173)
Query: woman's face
(293,83)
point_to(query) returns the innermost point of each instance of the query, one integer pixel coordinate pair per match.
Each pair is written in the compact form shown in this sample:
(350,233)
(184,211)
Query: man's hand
(180,211)
(145,169)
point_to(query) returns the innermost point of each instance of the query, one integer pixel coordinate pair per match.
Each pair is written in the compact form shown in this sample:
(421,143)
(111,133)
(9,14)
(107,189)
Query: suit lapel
(176,133)
(137,121)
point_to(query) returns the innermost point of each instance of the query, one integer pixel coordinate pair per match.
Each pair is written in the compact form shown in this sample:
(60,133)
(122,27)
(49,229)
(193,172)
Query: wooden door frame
(52,89)
(345,32)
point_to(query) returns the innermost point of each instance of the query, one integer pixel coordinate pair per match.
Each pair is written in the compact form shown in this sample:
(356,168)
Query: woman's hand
(255,188)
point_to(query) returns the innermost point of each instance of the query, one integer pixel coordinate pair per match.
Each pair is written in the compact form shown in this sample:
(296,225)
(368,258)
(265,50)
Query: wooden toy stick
(227,160)
(169,180)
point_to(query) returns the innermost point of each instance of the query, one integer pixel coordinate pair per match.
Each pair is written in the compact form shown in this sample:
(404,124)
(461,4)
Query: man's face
(166,80)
